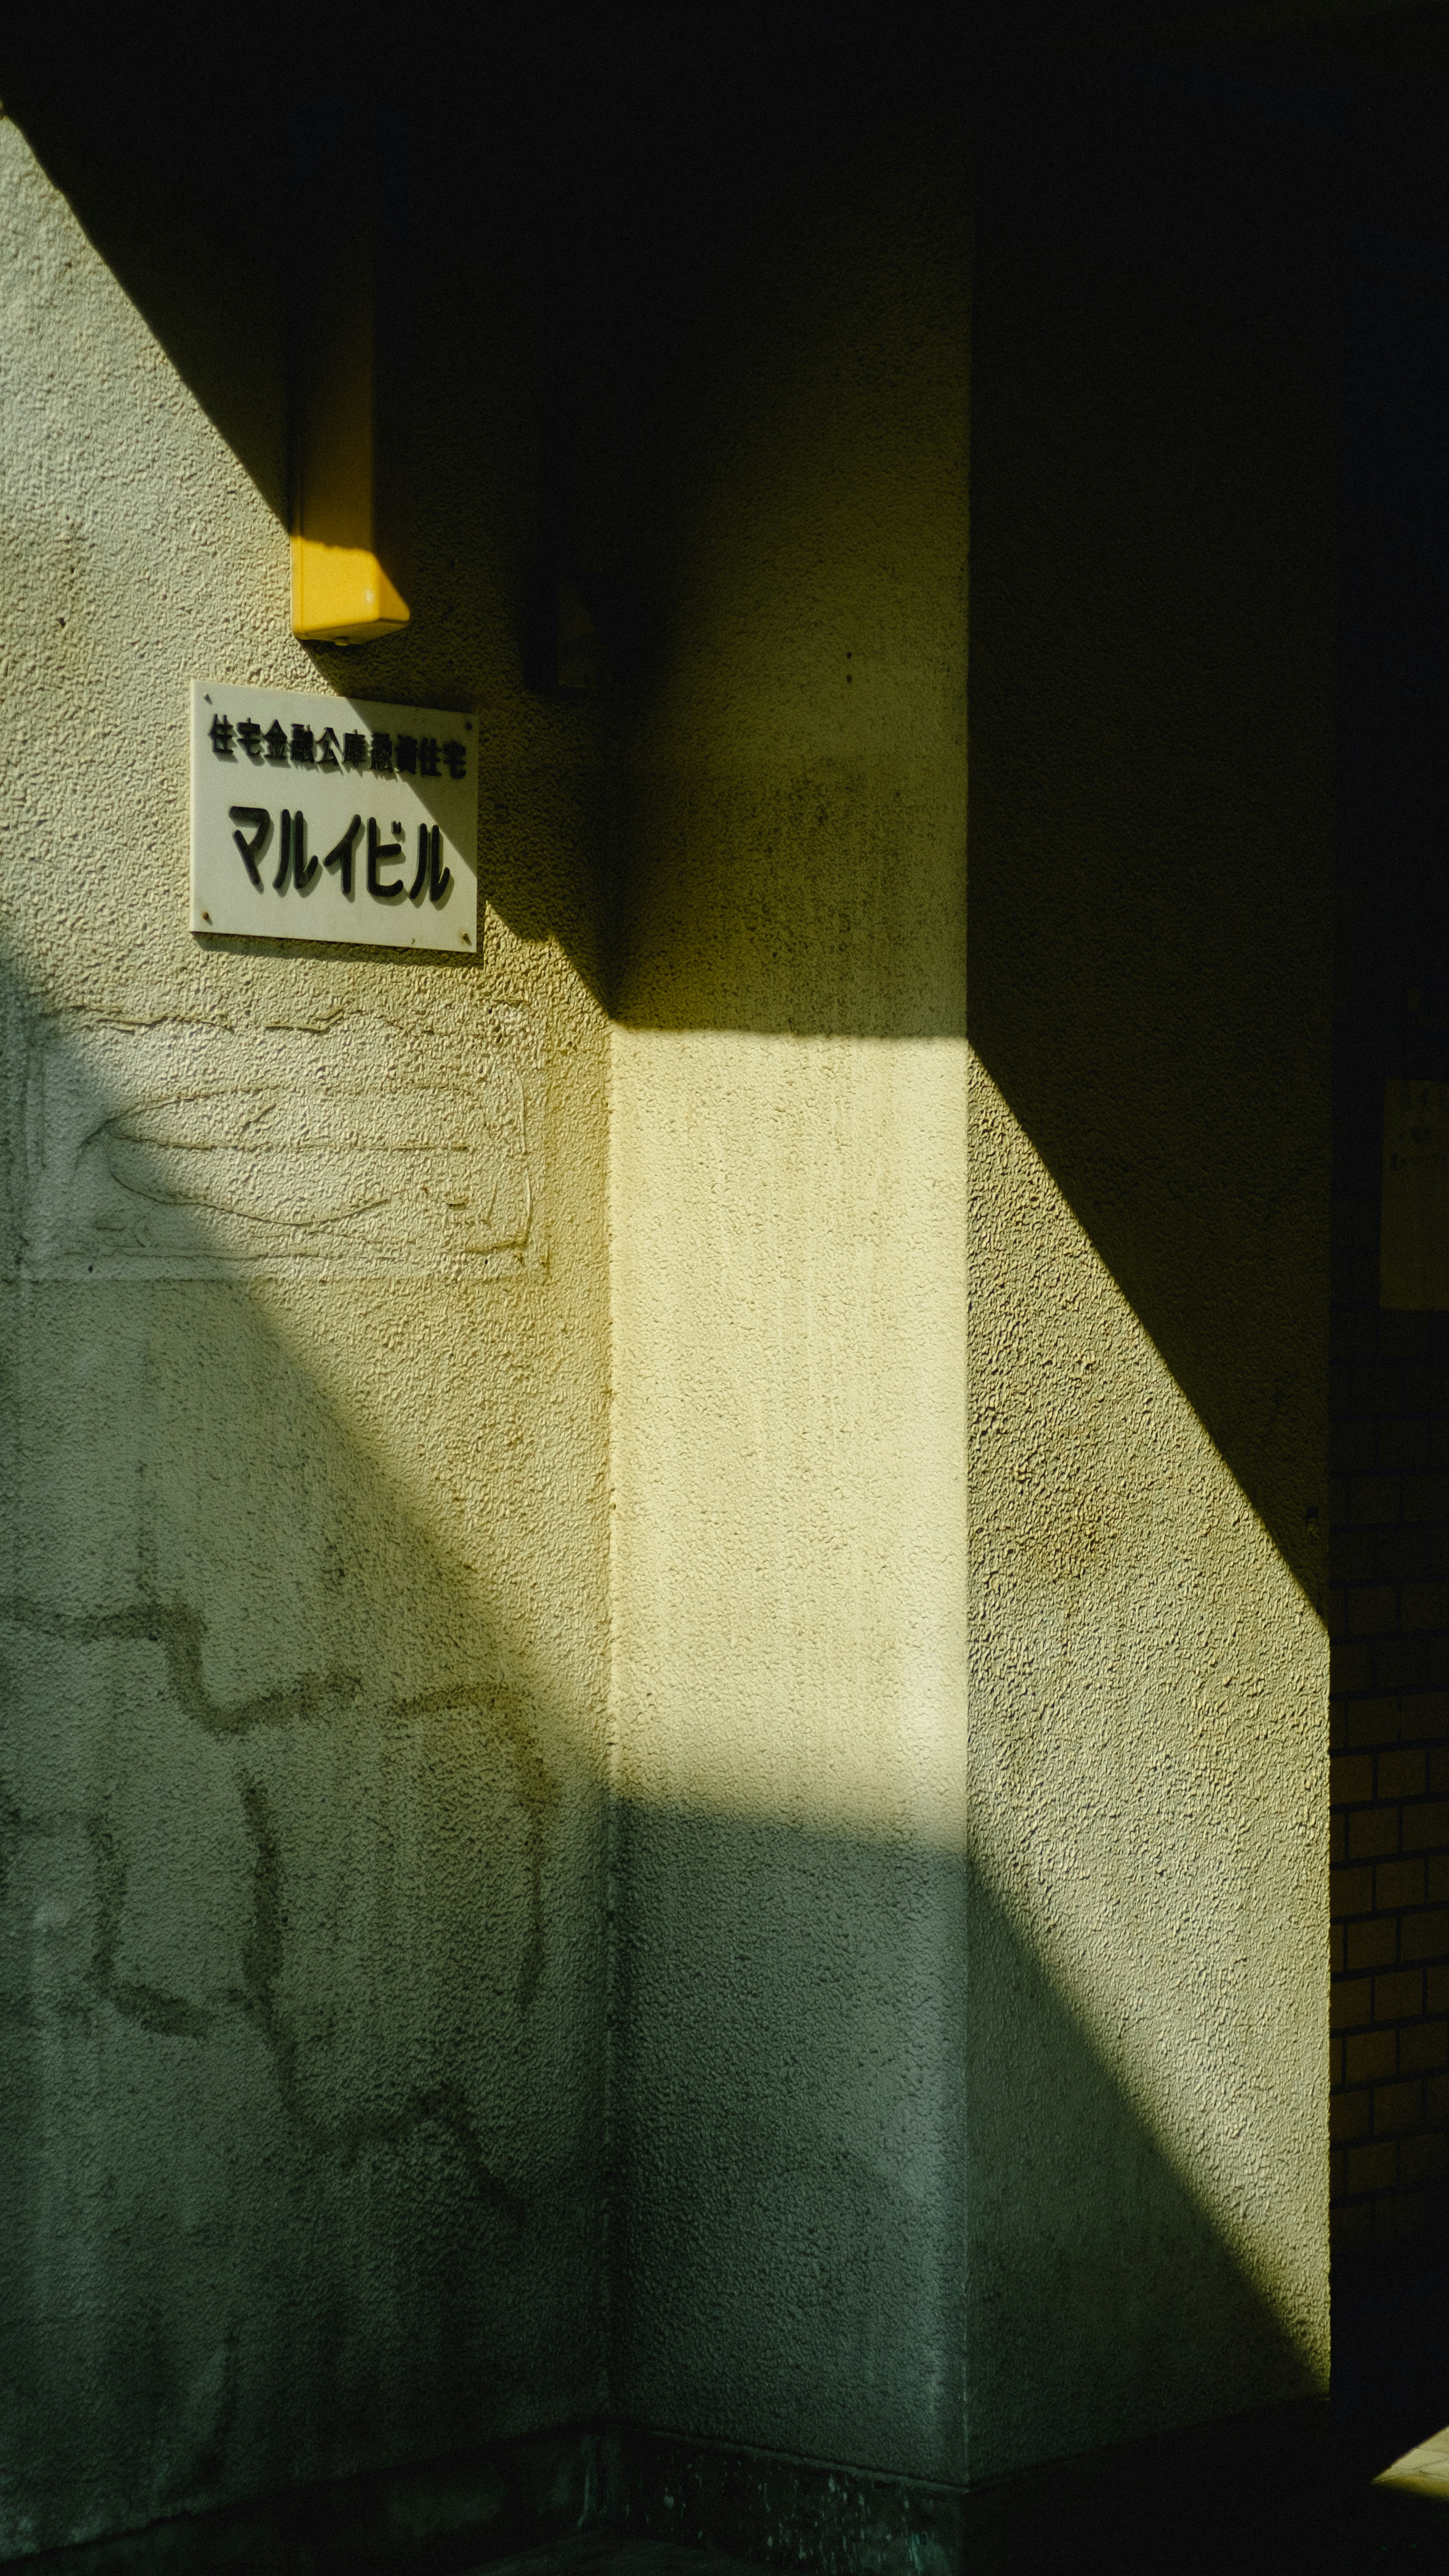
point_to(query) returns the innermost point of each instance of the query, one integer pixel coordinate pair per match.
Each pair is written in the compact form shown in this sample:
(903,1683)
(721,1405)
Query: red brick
(1367,1721)
(1427,1827)
(1424,2159)
(1423,1605)
(1352,2227)
(1397,2218)
(1423,2046)
(1349,2115)
(1397,2106)
(1373,1944)
(1334,1605)
(1367,1610)
(1351,1891)
(1399,1997)
(1424,1714)
(1424,1936)
(1373,1832)
(1351,1778)
(1372,2054)
(1401,1775)
(1397,1883)
(1350,2003)
(1373,2168)
(1402,1663)
(1404,1445)
(1351,1666)
(1353,1554)
(1373,1499)
(1406,1336)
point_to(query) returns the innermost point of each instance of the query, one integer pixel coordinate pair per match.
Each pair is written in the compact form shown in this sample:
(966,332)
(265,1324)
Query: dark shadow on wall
(816,2223)
(303,2002)
(301,1861)
(1149,848)
(206,240)
(173,156)
(1155,462)
(1154,497)
(730,307)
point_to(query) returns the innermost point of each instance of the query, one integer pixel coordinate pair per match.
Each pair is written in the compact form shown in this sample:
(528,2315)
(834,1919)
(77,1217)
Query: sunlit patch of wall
(1030,1973)
(1155,511)
(788,1165)
(966,2025)
(303,1604)
(1147,1816)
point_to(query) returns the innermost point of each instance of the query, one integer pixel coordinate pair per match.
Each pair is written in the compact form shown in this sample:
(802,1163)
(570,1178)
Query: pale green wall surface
(302,1611)
(974,2070)
(877,1459)
(1153,752)
(788,1198)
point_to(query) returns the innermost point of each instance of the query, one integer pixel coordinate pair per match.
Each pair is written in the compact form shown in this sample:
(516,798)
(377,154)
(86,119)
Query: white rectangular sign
(333,819)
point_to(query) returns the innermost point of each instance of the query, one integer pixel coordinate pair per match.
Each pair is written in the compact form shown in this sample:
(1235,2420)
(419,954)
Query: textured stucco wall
(303,1602)
(974,2048)
(966,2102)
(1154,524)
(788,1191)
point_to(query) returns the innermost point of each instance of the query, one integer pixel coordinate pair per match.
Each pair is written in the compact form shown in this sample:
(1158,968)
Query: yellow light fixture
(347,541)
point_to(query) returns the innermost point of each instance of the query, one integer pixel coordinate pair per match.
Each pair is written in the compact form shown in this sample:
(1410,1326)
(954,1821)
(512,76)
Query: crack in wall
(179,1631)
(170,2016)
(21,2011)
(538,1796)
(443,2107)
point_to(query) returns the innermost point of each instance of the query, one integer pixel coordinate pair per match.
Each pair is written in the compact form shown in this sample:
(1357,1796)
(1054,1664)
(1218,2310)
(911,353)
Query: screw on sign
(327,820)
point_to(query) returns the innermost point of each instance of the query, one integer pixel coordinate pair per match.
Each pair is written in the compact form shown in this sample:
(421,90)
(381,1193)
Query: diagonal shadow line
(239,1460)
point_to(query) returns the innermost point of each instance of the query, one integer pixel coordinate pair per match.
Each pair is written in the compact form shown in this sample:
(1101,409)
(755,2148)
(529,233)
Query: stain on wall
(351,1147)
(302,1568)
(966,2023)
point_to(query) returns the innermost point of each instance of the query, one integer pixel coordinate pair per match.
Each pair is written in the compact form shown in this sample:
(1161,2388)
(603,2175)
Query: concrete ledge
(427,2520)
(1287,2487)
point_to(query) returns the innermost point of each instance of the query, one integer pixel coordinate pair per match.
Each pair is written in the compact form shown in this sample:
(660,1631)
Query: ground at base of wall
(1391,2535)
(1279,2491)
(604,2554)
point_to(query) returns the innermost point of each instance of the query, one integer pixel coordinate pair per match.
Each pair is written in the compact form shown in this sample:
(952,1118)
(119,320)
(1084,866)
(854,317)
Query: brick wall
(1389,1508)
(1389,1543)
